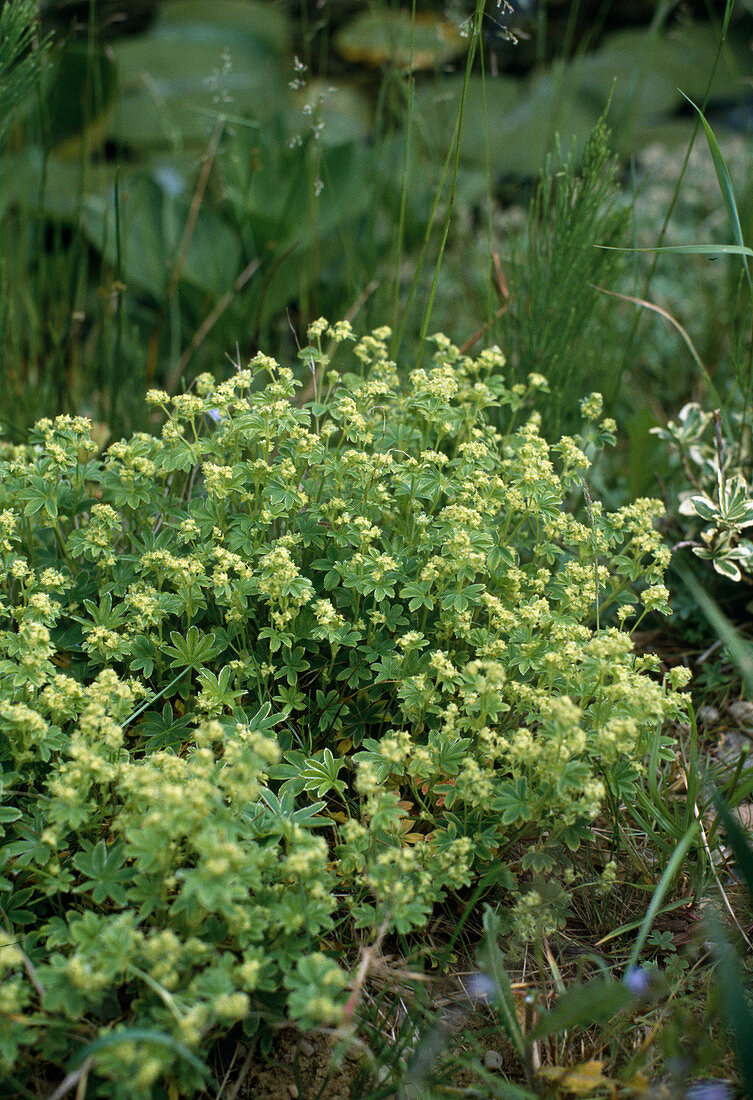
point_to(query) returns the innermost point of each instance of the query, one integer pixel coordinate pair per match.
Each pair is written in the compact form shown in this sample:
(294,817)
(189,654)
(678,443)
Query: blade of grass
(653,768)
(665,882)
(692,771)
(728,194)
(725,186)
(632,925)
(628,351)
(737,842)
(400,235)
(740,651)
(492,961)
(734,1002)
(475,39)
(674,322)
(497,1089)
(491,314)
(116,370)
(145,1035)
(397,337)
(655,813)
(688,249)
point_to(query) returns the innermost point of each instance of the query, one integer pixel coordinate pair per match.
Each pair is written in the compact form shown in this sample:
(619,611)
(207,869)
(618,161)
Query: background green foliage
(216,174)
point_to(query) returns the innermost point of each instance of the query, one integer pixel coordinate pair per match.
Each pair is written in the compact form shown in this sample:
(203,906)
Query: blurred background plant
(186,181)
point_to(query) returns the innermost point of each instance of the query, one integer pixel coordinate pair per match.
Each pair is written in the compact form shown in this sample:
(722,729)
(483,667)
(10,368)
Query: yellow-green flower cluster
(294,663)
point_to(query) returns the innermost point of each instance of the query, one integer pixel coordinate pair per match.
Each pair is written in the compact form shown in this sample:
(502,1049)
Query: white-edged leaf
(703,507)
(727,568)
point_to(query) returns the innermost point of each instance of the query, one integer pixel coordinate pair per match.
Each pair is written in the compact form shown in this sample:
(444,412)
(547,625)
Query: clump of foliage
(556,308)
(21,54)
(284,674)
(718,499)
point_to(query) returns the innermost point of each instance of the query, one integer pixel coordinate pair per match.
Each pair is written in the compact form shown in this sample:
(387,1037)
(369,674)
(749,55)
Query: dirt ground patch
(319,1066)
(303,1068)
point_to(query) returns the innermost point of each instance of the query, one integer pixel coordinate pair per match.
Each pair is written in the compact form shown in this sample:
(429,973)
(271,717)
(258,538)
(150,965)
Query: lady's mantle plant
(281,674)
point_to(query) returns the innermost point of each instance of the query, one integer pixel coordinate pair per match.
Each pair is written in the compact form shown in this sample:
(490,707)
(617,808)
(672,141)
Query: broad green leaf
(665,64)
(342,111)
(320,774)
(79,97)
(594,1003)
(192,651)
(514,125)
(264,720)
(151,222)
(267,22)
(629,72)
(383,36)
(725,567)
(183,74)
(740,650)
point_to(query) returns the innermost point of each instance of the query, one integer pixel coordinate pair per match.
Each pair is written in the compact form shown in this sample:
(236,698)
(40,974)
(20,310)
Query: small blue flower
(480,987)
(638,979)
(709,1090)
(171,181)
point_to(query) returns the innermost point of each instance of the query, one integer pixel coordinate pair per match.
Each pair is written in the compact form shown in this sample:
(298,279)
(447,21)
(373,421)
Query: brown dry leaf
(638,1084)
(381,37)
(405,829)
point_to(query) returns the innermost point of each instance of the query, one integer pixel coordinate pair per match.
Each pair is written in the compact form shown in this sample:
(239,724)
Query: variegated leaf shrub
(717,497)
(285,673)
